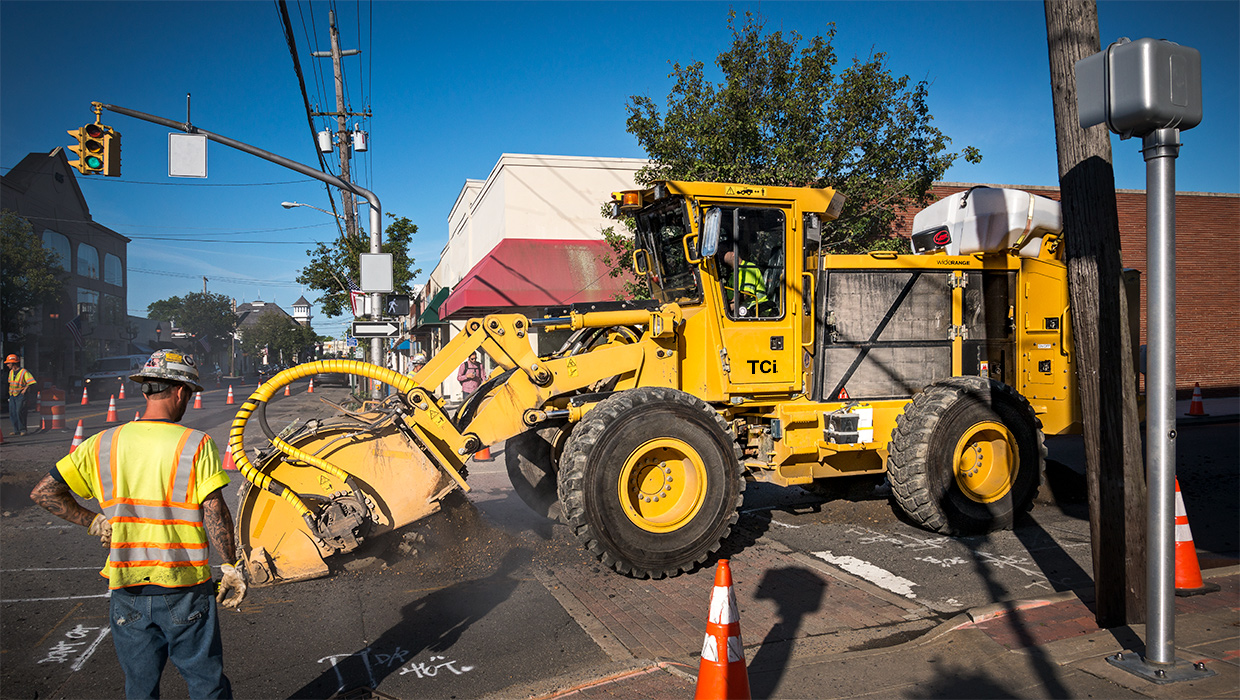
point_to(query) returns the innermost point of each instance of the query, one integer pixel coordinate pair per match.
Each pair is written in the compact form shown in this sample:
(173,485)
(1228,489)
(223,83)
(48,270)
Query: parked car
(331,379)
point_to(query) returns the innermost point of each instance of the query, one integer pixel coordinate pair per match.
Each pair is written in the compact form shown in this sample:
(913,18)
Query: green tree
(280,335)
(784,115)
(29,273)
(333,266)
(201,314)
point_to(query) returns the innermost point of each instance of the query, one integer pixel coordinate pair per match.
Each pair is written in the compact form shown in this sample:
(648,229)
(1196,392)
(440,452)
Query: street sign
(375,329)
(350,342)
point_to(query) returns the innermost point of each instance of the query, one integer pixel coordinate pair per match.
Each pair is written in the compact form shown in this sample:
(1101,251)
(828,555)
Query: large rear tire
(650,482)
(966,456)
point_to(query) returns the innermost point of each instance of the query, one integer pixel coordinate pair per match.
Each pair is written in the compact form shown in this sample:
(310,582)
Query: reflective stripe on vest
(175,510)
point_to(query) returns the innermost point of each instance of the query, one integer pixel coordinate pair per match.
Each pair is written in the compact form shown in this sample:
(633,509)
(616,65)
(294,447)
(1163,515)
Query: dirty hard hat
(169,366)
(11,358)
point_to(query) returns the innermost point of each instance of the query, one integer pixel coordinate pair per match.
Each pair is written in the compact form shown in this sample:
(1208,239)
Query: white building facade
(527,237)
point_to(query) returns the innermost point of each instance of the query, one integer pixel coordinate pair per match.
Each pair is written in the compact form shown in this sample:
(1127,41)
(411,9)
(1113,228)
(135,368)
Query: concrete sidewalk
(1046,647)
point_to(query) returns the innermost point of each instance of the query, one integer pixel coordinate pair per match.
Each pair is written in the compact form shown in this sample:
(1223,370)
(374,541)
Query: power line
(236,280)
(305,98)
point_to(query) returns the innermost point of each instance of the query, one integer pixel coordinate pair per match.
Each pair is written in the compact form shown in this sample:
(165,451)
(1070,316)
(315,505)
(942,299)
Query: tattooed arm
(58,500)
(219,523)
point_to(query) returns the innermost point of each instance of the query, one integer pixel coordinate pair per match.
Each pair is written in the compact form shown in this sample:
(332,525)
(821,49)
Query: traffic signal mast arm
(376,210)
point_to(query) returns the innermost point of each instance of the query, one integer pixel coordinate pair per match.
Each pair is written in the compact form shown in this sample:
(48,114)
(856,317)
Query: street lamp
(290,205)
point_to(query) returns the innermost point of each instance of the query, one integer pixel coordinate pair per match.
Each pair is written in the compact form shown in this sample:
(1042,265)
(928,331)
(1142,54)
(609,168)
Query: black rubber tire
(596,454)
(920,468)
(532,459)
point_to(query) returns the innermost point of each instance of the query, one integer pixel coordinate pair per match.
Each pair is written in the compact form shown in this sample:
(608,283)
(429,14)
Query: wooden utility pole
(343,141)
(1104,362)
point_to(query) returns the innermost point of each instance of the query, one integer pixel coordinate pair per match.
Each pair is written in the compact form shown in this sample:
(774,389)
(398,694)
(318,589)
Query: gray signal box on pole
(1135,87)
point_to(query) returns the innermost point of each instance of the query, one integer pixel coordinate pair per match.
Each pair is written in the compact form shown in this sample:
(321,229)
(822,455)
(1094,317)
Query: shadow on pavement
(432,623)
(785,586)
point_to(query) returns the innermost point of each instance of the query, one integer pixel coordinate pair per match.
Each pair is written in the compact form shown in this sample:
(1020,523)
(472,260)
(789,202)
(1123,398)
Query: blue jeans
(17,406)
(147,630)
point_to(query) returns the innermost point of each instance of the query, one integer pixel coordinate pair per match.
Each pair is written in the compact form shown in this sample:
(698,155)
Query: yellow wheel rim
(662,485)
(986,462)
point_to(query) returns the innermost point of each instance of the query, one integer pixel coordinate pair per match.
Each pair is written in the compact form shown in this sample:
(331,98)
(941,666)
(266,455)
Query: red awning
(527,272)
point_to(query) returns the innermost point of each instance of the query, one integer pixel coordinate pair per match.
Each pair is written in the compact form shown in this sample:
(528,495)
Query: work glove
(102,527)
(231,588)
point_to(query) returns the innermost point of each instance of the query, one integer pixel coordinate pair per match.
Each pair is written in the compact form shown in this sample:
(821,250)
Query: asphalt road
(467,612)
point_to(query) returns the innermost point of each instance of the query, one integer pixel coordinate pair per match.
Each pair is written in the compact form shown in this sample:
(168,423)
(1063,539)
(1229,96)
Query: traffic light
(98,150)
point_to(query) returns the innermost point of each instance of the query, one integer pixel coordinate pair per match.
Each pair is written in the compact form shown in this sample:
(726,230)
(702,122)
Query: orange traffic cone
(483,455)
(78,437)
(121,396)
(42,423)
(38,402)
(198,399)
(288,389)
(1187,569)
(84,402)
(112,418)
(722,673)
(311,390)
(137,415)
(229,464)
(1196,407)
(230,401)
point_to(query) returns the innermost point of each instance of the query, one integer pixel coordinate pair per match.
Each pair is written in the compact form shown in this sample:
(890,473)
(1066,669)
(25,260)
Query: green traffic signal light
(98,150)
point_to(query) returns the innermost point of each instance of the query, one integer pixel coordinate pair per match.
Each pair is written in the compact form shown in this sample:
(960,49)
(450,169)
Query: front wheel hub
(662,485)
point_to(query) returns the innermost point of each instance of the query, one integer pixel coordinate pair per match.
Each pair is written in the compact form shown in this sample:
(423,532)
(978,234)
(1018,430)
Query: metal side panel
(888,372)
(887,305)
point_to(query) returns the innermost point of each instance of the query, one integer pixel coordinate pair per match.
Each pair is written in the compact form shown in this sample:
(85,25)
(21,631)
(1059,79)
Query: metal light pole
(1152,89)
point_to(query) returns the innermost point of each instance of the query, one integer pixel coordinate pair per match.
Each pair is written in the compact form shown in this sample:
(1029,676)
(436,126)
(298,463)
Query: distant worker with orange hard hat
(20,380)
(160,486)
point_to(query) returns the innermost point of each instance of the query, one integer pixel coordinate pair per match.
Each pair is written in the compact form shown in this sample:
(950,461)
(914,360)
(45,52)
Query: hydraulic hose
(257,402)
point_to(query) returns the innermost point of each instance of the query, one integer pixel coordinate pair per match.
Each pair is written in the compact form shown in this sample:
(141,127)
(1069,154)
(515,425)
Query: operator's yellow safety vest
(753,287)
(150,479)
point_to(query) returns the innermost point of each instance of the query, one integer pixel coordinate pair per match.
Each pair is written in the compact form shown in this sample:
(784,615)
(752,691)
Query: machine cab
(732,256)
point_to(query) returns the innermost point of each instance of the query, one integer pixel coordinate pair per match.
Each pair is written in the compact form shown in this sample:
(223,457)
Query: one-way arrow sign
(375,329)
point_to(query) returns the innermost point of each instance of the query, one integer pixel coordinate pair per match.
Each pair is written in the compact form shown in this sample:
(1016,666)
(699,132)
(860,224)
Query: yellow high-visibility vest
(150,479)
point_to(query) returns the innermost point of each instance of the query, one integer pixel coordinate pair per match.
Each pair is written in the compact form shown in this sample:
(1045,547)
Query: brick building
(1207,277)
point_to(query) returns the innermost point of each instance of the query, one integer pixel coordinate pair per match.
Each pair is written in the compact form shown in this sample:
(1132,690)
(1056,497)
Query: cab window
(660,232)
(750,261)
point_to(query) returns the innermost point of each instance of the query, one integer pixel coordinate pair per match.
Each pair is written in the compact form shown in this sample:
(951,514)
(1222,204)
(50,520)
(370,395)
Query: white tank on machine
(985,220)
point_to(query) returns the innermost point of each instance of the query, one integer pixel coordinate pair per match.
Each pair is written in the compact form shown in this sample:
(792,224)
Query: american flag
(75,328)
(356,297)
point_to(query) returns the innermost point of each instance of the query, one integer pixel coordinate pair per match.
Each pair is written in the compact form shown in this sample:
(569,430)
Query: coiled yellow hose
(268,389)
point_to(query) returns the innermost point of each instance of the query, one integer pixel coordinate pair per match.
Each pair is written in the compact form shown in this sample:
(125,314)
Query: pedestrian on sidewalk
(20,381)
(160,486)
(470,375)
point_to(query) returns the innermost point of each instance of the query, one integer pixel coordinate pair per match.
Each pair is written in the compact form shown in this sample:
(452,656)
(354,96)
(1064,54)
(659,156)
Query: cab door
(761,349)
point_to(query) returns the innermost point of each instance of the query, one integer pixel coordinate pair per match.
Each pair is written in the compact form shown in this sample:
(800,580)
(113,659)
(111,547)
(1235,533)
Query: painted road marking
(41,600)
(876,575)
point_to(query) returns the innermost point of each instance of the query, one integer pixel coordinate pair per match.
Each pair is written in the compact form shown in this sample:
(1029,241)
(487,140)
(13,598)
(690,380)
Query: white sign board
(187,155)
(376,272)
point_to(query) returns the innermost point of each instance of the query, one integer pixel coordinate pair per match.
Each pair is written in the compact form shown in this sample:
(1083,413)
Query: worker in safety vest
(20,380)
(160,486)
(753,287)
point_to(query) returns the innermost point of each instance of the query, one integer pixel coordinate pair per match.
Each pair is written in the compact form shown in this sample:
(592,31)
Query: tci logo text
(763,366)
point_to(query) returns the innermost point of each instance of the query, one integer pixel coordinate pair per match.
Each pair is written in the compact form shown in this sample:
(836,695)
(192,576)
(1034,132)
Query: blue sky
(454,85)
